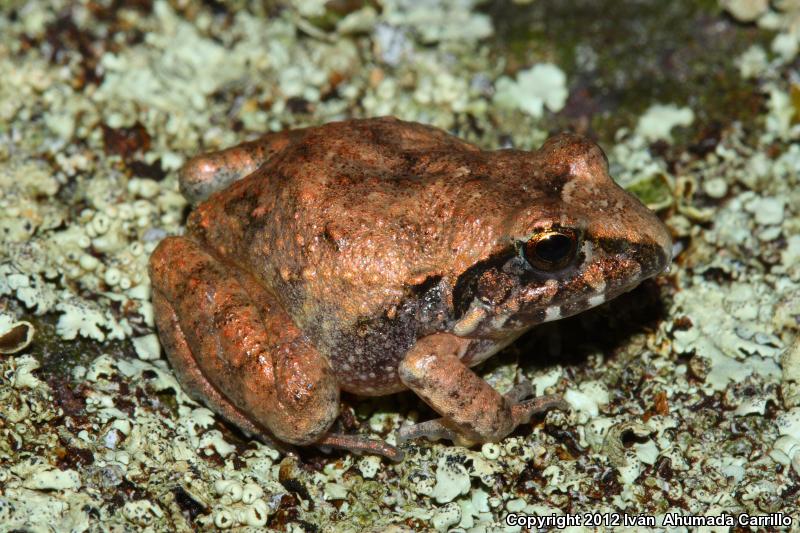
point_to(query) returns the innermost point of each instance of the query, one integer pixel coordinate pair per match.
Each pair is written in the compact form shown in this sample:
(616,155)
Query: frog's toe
(524,410)
(432,430)
(358,444)
(522,390)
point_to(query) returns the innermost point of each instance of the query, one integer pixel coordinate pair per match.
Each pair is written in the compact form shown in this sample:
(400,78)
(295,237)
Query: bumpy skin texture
(374,255)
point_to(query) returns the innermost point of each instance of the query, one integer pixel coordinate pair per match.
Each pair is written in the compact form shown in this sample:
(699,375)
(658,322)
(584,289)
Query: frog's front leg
(472,411)
(207,173)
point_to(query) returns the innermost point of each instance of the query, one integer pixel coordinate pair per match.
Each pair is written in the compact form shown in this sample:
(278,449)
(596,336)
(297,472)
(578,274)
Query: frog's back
(361,211)
(355,222)
(355,213)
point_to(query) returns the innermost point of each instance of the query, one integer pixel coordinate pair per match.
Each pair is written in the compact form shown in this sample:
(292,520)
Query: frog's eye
(551,249)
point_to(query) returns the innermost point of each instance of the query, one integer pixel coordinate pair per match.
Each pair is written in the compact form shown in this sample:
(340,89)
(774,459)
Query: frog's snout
(662,249)
(636,236)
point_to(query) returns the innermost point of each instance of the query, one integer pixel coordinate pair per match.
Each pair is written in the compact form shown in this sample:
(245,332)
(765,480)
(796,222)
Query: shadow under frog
(373,256)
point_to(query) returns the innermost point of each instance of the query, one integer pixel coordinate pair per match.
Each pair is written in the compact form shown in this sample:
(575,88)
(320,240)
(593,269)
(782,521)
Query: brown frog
(377,255)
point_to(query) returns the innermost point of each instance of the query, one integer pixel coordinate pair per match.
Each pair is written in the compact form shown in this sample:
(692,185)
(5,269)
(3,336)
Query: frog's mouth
(609,270)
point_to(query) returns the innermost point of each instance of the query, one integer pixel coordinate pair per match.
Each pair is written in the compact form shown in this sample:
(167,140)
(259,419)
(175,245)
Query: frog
(376,255)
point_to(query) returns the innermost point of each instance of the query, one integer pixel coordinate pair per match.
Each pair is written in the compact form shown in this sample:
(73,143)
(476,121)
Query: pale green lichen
(658,121)
(452,480)
(587,398)
(531,91)
(736,337)
(439,20)
(79,222)
(782,16)
(637,170)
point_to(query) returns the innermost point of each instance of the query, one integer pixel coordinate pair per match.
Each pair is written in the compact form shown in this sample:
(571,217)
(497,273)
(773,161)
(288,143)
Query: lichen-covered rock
(98,109)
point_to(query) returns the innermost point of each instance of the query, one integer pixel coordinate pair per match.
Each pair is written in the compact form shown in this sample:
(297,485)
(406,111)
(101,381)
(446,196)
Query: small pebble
(716,188)
(490,450)
(88,262)
(101,223)
(112,276)
(223,519)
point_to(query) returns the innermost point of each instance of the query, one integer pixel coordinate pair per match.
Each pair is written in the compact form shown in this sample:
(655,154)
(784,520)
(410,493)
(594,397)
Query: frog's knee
(307,391)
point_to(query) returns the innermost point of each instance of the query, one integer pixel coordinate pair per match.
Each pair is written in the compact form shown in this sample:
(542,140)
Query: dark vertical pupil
(553,248)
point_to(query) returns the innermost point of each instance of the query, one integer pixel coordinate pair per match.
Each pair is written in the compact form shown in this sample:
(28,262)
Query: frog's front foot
(437,428)
(472,411)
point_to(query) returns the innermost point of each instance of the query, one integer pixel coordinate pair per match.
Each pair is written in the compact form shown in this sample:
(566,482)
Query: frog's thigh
(189,374)
(207,173)
(469,405)
(235,348)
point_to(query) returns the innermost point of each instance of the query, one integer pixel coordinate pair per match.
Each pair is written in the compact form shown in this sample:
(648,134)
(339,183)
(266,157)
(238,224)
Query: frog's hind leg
(234,348)
(472,411)
(192,379)
(207,173)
